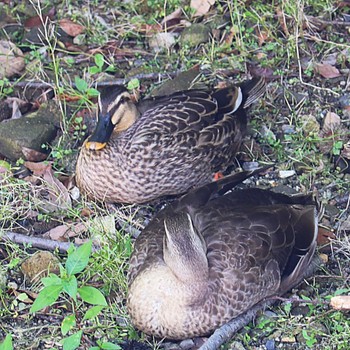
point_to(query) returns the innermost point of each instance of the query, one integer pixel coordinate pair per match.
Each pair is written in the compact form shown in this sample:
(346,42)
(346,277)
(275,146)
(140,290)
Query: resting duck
(207,258)
(163,145)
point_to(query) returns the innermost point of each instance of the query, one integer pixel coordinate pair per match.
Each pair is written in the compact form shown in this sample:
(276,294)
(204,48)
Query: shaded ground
(302,125)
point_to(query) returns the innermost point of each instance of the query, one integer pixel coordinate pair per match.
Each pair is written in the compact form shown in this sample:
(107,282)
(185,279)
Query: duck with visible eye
(207,258)
(165,145)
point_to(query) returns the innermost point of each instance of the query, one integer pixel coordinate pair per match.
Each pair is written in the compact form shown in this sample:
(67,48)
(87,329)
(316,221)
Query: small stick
(37,242)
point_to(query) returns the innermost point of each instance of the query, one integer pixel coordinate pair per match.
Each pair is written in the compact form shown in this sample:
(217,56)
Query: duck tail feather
(202,195)
(303,252)
(252,90)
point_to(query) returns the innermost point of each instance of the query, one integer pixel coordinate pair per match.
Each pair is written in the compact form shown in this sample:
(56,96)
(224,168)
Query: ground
(301,125)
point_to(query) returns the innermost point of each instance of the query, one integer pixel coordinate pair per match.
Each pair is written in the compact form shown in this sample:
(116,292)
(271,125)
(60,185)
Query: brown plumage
(163,145)
(207,257)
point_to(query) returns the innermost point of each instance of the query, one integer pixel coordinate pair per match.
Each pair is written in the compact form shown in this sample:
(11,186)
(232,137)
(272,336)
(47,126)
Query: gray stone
(194,35)
(29,132)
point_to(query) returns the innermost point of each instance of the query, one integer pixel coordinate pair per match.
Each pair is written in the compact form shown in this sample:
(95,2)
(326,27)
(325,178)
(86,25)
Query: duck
(159,147)
(210,256)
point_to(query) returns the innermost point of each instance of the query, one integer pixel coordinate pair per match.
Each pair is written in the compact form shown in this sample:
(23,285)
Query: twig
(226,332)
(36,242)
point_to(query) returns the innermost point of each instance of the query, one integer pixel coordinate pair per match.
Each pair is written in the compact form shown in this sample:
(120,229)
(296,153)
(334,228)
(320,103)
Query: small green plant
(337,147)
(83,87)
(309,338)
(5,88)
(67,285)
(7,343)
(100,62)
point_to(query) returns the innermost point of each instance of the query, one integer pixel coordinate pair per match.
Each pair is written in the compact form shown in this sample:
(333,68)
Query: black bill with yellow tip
(101,134)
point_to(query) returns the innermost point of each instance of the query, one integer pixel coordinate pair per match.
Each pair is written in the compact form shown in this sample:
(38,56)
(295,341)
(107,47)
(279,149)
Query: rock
(236,345)
(162,41)
(249,166)
(284,174)
(38,265)
(11,59)
(270,344)
(186,344)
(341,302)
(344,101)
(182,81)
(194,35)
(288,129)
(287,339)
(331,210)
(29,132)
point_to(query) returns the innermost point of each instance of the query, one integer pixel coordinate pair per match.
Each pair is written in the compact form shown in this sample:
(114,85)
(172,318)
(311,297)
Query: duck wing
(272,228)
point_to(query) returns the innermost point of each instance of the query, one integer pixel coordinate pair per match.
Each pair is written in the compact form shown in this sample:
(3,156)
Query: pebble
(270,345)
(283,174)
(288,129)
(187,344)
(249,166)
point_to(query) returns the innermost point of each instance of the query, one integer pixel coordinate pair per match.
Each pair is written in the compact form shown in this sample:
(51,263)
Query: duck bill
(101,134)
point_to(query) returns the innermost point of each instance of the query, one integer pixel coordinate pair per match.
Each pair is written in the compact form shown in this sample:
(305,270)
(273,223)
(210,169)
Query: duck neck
(185,249)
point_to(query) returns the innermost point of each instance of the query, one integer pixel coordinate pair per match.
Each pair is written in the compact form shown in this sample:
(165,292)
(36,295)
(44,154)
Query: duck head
(185,251)
(117,112)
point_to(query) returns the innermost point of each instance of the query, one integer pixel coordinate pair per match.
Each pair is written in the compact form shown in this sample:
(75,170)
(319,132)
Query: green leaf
(99,60)
(7,343)
(46,297)
(110,346)
(68,324)
(72,342)
(94,70)
(22,296)
(51,280)
(92,312)
(81,84)
(133,84)
(111,69)
(92,92)
(77,261)
(70,286)
(341,291)
(92,296)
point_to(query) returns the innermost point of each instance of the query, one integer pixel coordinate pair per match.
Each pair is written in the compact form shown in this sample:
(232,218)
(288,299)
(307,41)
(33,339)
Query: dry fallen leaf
(331,123)
(37,21)
(174,15)
(11,59)
(57,233)
(324,236)
(37,168)
(58,193)
(201,6)
(71,28)
(341,302)
(327,71)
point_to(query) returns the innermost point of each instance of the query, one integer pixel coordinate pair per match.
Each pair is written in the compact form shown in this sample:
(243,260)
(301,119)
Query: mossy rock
(29,132)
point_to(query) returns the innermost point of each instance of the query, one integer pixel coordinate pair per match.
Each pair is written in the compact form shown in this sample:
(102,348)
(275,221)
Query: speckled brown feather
(177,143)
(258,244)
